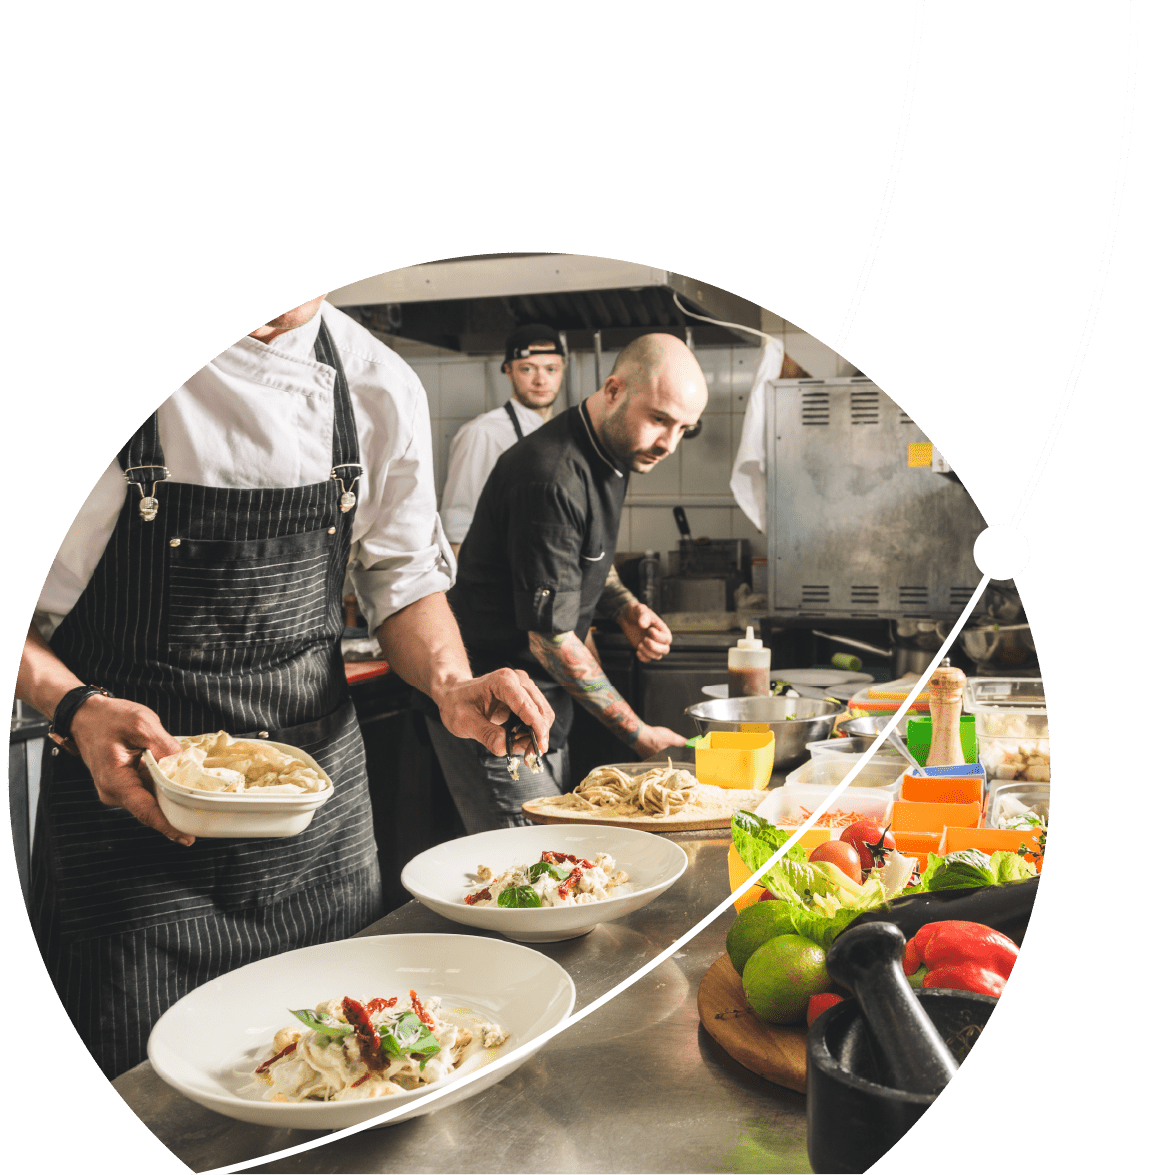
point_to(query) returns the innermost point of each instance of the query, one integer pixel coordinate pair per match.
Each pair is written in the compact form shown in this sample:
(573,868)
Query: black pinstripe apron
(223,612)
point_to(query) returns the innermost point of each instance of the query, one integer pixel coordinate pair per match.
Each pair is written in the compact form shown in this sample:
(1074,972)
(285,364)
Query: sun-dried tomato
(569,883)
(370,1044)
(365,1077)
(472,898)
(275,1057)
(378,1004)
(420,1012)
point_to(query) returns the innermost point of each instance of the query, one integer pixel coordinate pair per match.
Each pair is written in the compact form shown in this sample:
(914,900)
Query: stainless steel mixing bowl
(794,721)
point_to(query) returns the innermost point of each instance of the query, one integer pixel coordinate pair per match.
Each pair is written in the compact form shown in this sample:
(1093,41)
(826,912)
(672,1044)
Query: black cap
(518,343)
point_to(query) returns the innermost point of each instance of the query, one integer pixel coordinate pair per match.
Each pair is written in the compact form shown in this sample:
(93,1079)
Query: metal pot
(794,721)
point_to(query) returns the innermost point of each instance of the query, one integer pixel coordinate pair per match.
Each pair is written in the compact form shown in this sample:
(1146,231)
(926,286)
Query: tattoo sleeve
(567,660)
(614,596)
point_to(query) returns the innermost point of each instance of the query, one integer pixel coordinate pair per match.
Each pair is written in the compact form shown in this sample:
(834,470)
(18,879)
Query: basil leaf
(518,897)
(535,871)
(409,1036)
(311,1019)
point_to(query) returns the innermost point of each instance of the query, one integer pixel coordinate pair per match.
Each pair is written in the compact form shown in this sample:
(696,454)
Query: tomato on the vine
(837,852)
(871,842)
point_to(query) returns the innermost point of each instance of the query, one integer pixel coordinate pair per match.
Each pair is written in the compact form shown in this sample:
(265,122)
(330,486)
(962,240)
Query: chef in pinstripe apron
(200,589)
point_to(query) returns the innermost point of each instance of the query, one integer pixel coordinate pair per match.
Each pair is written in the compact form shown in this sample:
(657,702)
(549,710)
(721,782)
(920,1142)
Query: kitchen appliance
(703,575)
(861,524)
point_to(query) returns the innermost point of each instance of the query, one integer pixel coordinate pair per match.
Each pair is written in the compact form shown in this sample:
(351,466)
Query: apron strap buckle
(348,499)
(148,507)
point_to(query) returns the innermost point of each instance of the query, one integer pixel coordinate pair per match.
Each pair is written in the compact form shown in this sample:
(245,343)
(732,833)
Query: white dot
(1001,552)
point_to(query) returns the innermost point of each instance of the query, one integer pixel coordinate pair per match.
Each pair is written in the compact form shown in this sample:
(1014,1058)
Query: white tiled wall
(696,476)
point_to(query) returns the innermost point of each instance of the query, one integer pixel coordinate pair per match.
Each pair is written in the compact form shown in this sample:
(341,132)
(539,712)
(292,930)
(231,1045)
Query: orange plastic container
(992,840)
(918,845)
(735,759)
(739,872)
(942,789)
(915,816)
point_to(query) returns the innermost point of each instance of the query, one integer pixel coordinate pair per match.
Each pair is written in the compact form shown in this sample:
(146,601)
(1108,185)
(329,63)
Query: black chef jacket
(539,549)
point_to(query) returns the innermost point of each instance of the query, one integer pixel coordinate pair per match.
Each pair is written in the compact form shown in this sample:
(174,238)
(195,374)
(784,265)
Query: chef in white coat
(534,363)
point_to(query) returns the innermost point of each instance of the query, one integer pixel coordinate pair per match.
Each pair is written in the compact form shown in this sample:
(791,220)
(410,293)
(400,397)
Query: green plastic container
(919,738)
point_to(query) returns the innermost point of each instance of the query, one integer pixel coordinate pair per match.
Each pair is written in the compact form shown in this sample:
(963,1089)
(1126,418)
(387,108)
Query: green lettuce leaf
(965,869)
(1009,867)
(791,879)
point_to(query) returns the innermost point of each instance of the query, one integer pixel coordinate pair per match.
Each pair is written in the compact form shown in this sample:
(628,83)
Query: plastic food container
(914,816)
(992,840)
(783,806)
(1026,759)
(1033,795)
(735,759)
(943,789)
(238,814)
(1003,691)
(855,745)
(831,770)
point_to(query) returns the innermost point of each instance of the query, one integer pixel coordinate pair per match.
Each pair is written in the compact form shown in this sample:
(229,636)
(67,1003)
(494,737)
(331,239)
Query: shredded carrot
(826,820)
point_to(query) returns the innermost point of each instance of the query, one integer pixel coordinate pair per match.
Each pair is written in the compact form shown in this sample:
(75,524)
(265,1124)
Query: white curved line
(1104,264)
(663,955)
(904,119)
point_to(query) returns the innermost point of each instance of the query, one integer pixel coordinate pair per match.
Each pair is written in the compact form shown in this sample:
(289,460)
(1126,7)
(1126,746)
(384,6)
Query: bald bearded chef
(200,588)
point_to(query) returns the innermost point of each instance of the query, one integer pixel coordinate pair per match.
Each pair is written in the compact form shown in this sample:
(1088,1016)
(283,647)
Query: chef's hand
(653,739)
(479,707)
(111,735)
(646,632)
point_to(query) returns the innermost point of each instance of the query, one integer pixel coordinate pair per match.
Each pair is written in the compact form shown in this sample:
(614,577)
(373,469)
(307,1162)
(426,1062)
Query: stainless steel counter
(637,1086)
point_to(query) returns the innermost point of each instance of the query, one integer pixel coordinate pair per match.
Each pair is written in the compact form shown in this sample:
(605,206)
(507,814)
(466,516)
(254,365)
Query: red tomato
(819,1003)
(837,852)
(768,896)
(864,836)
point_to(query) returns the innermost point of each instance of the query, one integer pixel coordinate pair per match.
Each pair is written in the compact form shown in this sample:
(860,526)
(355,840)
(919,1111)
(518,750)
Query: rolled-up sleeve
(544,550)
(399,552)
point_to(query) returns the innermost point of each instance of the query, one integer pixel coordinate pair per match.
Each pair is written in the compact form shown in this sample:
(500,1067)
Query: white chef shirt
(473,453)
(261,416)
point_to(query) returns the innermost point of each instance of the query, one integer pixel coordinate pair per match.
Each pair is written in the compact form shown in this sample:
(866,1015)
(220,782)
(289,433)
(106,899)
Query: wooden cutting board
(677,823)
(773,1051)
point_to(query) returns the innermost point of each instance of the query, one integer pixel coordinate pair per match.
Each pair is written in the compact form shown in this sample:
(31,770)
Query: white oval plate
(207,1045)
(442,876)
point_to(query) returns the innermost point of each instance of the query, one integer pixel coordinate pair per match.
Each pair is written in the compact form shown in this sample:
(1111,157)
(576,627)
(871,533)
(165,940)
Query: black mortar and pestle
(875,1063)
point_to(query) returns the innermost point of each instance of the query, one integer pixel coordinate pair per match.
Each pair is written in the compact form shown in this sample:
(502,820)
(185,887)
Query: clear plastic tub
(1004,691)
(783,806)
(1034,796)
(850,746)
(1007,759)
(830,770)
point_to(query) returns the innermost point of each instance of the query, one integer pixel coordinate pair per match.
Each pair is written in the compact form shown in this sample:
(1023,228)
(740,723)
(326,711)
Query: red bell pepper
(963,956)
(819,1003)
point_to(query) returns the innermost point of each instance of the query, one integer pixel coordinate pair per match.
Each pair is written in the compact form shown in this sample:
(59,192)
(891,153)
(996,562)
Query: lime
(782,975)
(753,928)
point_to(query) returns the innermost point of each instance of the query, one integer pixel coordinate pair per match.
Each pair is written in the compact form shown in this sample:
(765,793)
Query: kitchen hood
(471,304)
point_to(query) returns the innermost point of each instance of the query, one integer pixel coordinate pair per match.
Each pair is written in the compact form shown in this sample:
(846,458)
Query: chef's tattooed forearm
(615,597)
(567,660)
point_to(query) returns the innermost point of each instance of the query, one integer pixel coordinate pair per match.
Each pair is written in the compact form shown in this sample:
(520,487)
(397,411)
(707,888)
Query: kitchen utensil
(681,517)
(845,746)
(803,691)
(853,1116)
(828,771)
(793,721)
(868,728)
(208,1043)
(945,695)
(238,814)
(999,644)
(1033,795)
(442,876)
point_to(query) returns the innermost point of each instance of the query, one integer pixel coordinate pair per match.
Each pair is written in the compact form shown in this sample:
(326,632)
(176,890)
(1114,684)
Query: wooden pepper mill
(945,694)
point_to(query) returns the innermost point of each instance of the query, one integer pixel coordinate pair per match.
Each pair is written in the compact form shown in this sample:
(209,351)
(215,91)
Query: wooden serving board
(774,1051)
(677,823)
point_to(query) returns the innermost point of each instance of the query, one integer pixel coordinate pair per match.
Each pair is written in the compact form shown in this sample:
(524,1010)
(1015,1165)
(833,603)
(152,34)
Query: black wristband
(67,707)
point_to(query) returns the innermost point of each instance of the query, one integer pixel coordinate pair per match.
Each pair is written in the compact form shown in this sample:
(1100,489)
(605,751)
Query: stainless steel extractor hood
(470,304)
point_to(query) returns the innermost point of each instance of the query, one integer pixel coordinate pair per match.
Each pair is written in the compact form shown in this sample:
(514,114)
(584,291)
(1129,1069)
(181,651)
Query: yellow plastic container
(735,759)
(739,872)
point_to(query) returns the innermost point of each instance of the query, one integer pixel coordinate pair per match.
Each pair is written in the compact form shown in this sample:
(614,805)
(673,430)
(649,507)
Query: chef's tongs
(515,730)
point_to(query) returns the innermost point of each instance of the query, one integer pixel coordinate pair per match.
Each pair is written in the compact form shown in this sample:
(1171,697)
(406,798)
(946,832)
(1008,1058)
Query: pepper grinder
(945,694)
